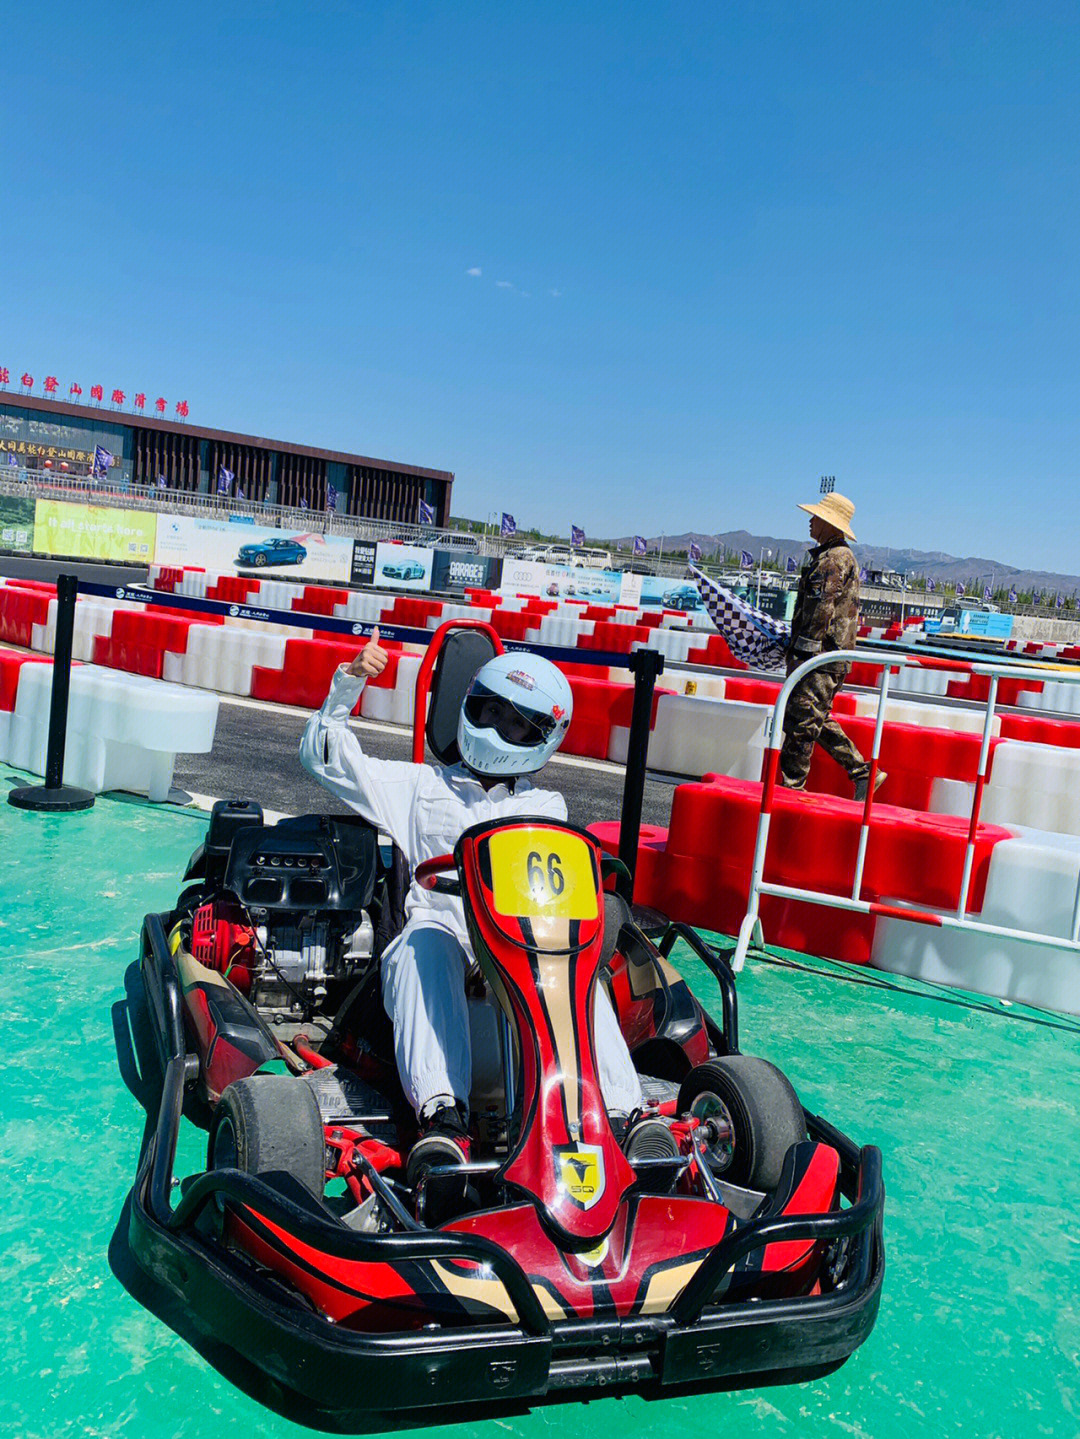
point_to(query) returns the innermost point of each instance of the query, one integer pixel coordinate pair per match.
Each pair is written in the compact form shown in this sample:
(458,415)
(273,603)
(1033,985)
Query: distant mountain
(933,564)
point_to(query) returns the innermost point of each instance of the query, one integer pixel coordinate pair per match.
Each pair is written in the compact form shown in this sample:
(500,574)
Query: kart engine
(287,964)
(285,913)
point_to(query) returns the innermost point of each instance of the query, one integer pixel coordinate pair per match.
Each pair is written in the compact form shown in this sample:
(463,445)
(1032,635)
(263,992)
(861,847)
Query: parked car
(404,570)
(682,597)
(272,552)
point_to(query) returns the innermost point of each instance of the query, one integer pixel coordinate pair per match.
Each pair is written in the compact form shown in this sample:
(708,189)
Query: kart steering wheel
(430,874)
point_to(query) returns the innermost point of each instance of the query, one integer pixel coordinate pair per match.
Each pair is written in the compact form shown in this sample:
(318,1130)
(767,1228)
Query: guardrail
(750,931)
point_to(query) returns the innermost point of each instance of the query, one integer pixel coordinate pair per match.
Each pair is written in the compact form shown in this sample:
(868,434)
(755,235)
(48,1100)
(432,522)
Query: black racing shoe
(443,1143)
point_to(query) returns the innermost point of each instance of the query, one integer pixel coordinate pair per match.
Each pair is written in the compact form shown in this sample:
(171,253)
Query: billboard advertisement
(94,532)
(251,548)
(533,577)
(402,567)
(16,524)
(453,571)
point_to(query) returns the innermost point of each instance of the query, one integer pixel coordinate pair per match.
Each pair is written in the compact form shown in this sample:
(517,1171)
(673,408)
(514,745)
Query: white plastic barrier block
(123,731)
(563,630)
(954,717)
(404,691)
(1056,695)
(221,657)
(672,644)
(1031,884)
(363,606)
(914,680)
(194,584)
(92,618)
(705,686)
(695,735)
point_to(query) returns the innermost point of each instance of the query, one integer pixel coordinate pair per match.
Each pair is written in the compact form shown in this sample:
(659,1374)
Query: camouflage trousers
(807,722)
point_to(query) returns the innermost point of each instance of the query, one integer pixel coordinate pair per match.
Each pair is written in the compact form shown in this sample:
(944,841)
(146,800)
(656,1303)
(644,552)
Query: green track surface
(972,1102)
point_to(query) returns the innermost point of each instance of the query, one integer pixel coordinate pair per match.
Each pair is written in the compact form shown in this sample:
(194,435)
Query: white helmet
(515,715)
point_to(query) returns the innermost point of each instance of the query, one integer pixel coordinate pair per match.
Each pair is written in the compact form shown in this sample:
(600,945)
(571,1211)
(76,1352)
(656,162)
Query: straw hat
(835,510)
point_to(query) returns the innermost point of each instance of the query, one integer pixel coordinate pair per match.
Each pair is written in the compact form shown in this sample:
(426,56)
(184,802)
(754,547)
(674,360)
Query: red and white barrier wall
(710,728)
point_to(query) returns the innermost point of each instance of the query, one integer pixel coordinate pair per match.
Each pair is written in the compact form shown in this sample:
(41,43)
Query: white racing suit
(425,810)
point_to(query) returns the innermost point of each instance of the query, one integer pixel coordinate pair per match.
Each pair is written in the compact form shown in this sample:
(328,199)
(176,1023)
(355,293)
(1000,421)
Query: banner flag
(102,460)
(1013,597)
(509,524)
(864,575)
(792,565)
(331,498)
(161,482)
(224,480)
(987,592)
(427,513)
(960,589)
(240,492)
(931,585)
(746,560)
(303,503)
(577,535)
(753,637)
(640,547)
(694,552)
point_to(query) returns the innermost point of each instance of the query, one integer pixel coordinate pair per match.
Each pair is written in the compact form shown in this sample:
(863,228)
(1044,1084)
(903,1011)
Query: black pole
(646,666)
(54,794)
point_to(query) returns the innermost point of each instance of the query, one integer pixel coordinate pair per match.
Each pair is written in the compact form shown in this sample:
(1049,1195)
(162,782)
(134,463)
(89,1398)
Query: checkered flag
(753,637)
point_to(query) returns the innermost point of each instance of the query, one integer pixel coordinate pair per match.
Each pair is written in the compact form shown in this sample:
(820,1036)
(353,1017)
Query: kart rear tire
(270,1125)
(765,1113)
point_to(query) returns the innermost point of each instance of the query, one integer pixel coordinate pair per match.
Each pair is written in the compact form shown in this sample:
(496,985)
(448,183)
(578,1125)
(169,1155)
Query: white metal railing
(750,931)
(170,501)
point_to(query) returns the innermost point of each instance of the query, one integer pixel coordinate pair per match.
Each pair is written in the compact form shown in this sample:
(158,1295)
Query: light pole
(761,561)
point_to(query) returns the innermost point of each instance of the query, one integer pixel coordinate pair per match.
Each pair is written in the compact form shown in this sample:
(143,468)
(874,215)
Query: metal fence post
(54,794)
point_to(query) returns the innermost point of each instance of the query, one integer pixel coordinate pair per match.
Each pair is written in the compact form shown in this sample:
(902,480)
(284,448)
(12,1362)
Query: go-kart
(723,1235)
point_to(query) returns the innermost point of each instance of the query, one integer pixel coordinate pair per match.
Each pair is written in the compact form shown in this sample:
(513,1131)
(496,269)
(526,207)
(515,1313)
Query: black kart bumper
(341,1369)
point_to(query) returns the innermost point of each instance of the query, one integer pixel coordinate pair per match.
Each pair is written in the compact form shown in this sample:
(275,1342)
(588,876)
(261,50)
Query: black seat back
(461,654)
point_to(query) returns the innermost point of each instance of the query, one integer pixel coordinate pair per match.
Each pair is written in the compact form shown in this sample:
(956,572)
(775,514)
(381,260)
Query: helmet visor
(513,722)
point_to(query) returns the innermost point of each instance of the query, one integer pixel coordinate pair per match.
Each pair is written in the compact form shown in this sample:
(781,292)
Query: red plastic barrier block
(513,625)
(318,600)
(715,652)
(598,612)
(10,665)
(1036,730)
(813,843)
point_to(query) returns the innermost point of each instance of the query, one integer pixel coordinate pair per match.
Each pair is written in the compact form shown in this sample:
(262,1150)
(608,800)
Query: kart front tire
(270,1125)
(764,1110)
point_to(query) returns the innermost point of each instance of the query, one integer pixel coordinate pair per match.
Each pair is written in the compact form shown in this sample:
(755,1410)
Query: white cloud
(504,284)
(476,272)
(556,294)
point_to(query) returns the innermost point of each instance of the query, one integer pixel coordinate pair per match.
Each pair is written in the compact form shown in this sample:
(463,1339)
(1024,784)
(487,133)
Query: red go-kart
(736,1237)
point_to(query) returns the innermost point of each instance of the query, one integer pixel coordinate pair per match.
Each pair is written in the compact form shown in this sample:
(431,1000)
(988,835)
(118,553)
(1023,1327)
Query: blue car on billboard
(272,552)
(404,570)
(682,597)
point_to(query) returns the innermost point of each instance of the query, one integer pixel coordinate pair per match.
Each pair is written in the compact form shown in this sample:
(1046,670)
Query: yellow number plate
(542,874)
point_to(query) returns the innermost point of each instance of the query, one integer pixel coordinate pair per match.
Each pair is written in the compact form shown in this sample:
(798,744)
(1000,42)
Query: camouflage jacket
(827,605)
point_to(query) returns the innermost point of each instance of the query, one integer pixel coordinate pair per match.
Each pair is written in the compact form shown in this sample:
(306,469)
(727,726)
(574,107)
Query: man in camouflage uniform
(826,618)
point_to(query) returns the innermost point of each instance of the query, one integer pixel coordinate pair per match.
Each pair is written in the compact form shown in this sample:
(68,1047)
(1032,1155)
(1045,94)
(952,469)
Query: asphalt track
(256,756)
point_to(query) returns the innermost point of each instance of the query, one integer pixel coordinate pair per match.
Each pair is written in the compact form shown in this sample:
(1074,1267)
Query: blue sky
(641,267)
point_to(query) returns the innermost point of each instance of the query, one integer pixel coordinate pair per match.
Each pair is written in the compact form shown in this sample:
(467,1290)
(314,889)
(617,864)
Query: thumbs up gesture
(371,661)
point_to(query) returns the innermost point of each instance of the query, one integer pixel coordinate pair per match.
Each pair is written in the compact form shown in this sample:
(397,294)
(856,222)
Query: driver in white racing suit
(514,716)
